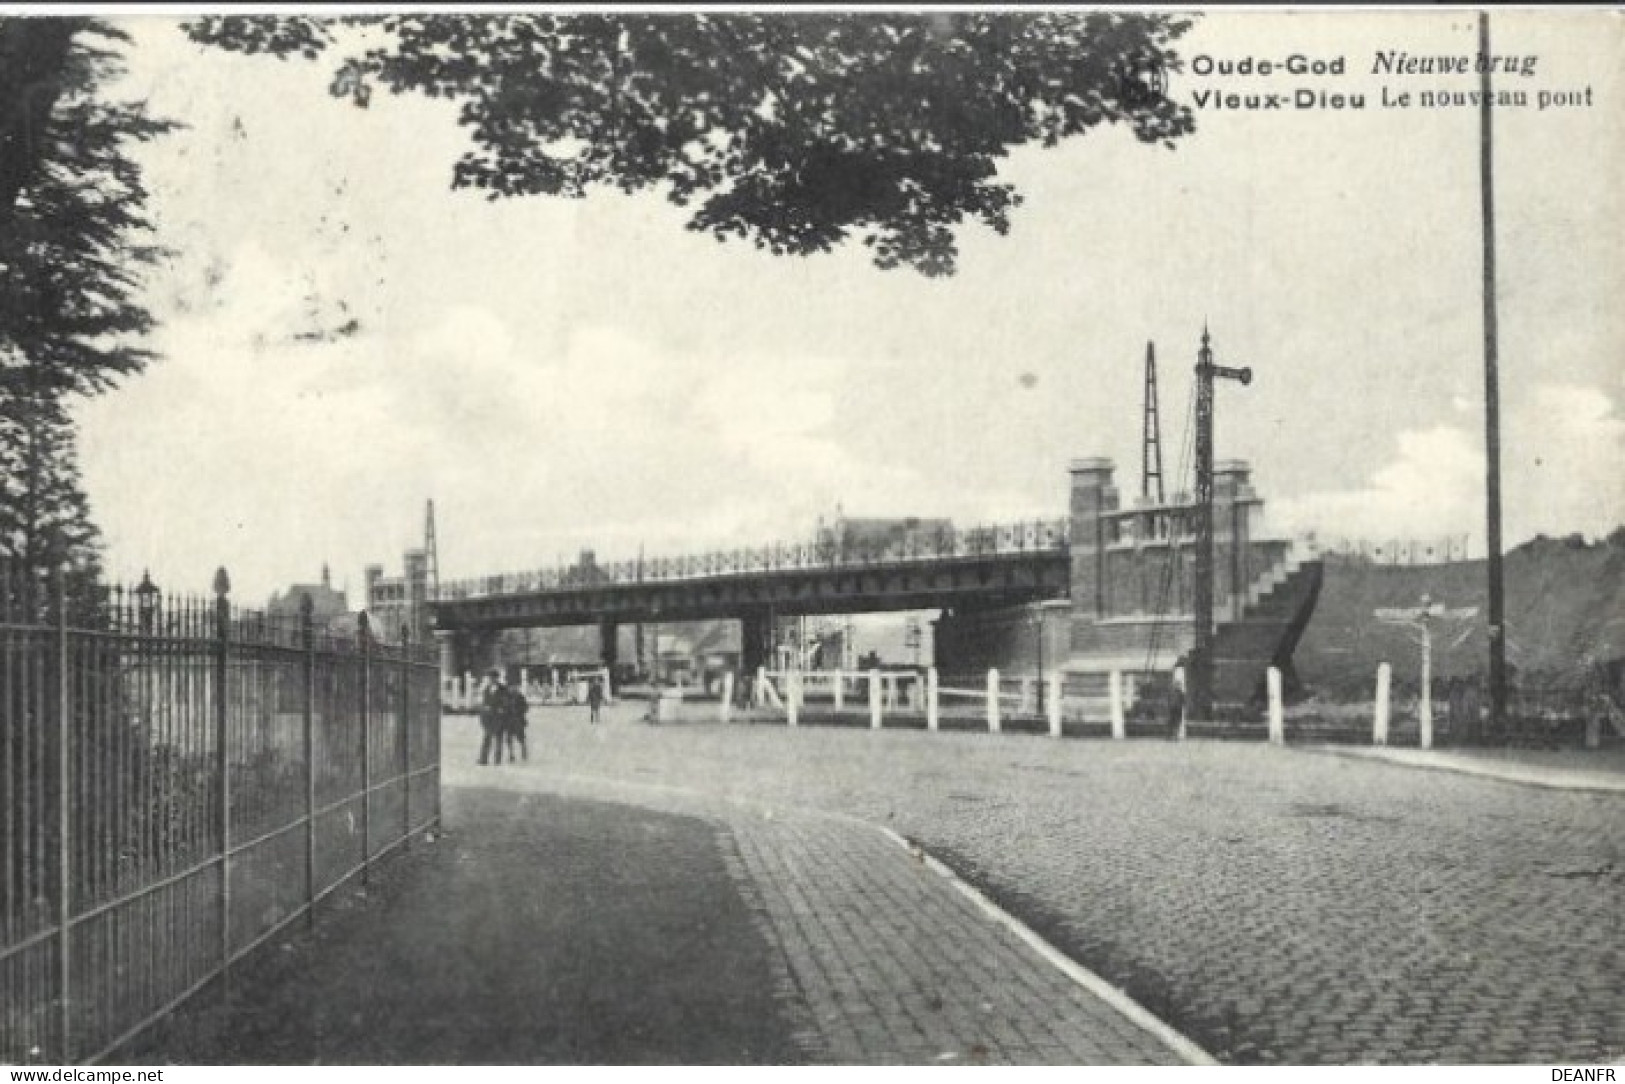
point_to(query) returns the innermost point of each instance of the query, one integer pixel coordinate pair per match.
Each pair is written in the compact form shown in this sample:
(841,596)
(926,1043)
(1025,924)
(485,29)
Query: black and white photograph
(668,535)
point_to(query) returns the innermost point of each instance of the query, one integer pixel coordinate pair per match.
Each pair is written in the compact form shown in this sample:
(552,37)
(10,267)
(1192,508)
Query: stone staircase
(1278,610)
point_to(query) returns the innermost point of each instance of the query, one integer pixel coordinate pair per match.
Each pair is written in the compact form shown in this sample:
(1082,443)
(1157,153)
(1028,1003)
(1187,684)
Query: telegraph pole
(1492,396)
(1200,680)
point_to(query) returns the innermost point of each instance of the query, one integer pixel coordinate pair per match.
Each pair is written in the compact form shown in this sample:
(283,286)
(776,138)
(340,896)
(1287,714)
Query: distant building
(397,602)
(329,609)
(858,538)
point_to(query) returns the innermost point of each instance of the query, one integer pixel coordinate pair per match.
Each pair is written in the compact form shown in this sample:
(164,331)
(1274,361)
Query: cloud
(1426,490)
(286,452)
(1561,462)
(1561,448)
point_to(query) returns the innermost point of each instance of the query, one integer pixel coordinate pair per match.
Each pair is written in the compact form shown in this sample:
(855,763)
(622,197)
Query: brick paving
(547,930)
(1275,905)
(881,961)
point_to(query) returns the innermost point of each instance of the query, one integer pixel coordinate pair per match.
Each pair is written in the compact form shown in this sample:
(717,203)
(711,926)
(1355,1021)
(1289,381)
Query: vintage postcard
(680,535)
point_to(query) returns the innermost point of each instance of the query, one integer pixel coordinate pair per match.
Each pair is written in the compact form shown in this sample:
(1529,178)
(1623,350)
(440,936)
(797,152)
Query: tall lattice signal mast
(1151,446)
(431,554)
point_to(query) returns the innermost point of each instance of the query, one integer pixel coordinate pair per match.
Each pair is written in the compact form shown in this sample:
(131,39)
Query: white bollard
(1379,724)
(792,697)
(1272,678)
(758,691)
(1185,713)
(1054,705)
(840,691)
(727,695)
(889,684)
(874,699)
(1114,685)
(931,699)
(1424,711)
(993,701)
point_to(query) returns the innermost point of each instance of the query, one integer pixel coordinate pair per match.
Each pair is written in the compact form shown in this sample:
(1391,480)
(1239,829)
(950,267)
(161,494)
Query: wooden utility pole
(1492,401)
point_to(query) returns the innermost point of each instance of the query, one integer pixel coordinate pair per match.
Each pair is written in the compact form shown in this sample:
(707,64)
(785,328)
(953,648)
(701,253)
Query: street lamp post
(146,603)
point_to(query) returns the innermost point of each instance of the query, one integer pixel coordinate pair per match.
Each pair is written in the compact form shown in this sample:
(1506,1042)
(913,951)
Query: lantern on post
(146,603)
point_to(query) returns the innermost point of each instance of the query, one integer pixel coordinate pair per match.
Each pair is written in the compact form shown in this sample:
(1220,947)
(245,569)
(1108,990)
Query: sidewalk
(536,930)
(569,919)
(1557,771)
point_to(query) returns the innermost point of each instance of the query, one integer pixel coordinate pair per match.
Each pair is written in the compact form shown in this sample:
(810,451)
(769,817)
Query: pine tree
(72,248)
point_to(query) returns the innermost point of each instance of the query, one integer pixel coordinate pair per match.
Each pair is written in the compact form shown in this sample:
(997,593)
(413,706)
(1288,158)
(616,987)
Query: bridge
(944,568)
(1107,588)
(1002,565)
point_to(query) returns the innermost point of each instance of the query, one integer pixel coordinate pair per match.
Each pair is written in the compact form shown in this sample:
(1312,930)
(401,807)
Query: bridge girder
(1001,579)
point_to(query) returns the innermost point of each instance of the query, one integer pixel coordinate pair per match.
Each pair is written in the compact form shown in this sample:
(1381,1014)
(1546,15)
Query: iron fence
(179,780)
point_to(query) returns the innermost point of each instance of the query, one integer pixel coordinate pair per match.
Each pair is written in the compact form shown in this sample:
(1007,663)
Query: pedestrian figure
(515,717)
(492,710)
(595,699)
(1176,711)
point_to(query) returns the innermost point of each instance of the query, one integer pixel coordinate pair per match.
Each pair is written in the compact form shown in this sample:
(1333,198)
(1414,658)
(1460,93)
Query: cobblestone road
(1274,905)
(881,961)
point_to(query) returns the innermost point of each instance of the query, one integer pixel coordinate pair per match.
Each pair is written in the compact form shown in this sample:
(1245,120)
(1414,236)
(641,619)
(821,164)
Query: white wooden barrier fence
(467,693)
(916,693)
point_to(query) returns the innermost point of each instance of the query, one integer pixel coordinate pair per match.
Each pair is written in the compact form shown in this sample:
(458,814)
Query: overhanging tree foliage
(795,131)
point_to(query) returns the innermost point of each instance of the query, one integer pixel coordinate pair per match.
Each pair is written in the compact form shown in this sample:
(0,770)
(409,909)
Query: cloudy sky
(559,375)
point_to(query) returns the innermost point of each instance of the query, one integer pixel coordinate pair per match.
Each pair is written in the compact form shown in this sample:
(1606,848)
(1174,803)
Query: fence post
(222,630)
(792,696)
(406,732)
(307,640)
(874,699)
(366,748)
(931,699)
(993,701)
(757,695)
(436,717)
(1054,705)
(1029,700)
(1114,684)
(1277,716)
(840,691)
(726,708)
(64,858)
(1379,724)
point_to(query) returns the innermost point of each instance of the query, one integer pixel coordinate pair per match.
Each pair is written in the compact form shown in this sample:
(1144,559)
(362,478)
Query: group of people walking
(503,717)
(504,714)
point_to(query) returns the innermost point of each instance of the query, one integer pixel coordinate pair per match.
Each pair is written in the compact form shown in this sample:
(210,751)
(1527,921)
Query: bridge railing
(1032,536)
